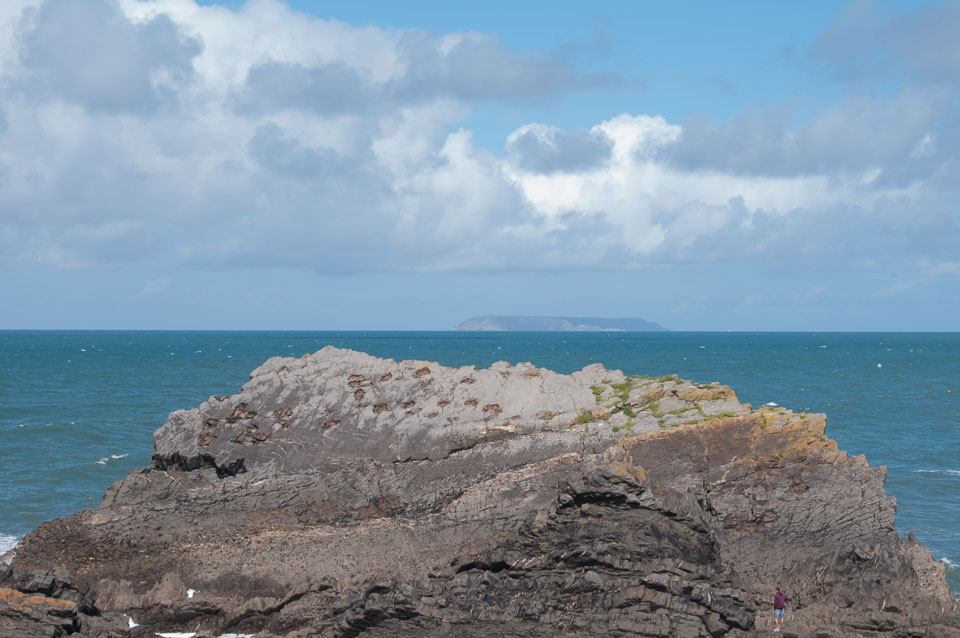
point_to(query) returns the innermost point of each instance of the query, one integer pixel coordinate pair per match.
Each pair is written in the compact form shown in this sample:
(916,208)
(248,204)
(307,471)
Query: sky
(307,165)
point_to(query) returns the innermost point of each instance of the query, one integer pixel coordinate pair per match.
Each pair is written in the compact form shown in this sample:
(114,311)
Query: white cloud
(547,149)
(90,54)
(662,210)
(268,137)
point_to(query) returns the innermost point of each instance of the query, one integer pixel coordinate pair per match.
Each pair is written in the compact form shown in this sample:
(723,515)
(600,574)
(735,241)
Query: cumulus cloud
(470,67)
(275,151)
(476,67)
(88,52)
(546,149)
(167,132)
(891,139)
(327,89)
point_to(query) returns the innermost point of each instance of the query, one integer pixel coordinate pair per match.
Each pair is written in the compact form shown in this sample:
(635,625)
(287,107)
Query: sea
(78,408)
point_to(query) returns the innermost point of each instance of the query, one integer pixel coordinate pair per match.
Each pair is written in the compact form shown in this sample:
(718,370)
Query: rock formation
(344,495)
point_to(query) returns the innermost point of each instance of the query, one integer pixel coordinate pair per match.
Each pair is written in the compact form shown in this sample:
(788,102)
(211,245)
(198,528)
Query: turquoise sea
(78,408)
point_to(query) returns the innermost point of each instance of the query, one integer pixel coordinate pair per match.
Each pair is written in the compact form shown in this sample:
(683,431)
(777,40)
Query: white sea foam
(119,456)
(946,561)
(177,634)
(102,461)
(7,543)
(236,636)
(952,472)
(771,404)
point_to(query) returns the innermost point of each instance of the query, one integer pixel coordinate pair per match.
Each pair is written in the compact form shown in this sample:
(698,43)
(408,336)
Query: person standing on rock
(779,602)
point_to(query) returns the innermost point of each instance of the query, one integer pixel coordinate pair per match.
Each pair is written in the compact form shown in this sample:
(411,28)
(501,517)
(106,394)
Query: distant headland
(559,324)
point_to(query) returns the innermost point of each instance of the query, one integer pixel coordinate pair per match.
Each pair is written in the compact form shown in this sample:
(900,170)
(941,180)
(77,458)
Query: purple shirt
(779,599)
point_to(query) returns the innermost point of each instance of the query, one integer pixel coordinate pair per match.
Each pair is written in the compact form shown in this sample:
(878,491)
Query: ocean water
(78,408)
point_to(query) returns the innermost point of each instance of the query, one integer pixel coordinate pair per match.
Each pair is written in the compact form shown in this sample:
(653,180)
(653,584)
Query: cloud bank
(163,132)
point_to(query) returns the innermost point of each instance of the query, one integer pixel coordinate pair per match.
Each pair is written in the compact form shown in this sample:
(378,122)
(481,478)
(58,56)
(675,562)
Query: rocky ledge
(344,495)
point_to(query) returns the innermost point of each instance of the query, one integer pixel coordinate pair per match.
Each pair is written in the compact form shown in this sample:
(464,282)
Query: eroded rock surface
(344,495)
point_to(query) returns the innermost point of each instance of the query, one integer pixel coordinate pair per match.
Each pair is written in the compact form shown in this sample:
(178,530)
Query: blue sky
(169,164)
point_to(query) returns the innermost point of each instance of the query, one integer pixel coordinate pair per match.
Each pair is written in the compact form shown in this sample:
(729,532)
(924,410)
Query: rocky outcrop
(344,495)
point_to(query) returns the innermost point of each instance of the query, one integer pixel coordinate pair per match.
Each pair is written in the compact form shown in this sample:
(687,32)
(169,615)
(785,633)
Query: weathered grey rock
(343,495)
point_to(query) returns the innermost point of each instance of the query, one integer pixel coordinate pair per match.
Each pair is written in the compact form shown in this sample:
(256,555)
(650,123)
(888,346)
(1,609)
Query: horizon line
(454,330)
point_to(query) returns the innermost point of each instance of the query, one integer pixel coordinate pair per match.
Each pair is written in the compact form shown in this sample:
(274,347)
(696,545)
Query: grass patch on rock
(586,416)
(597,392)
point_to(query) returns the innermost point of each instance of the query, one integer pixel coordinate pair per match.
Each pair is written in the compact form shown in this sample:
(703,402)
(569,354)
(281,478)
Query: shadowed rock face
(344,495)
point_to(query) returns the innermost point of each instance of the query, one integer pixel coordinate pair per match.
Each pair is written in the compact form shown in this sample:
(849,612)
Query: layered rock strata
(344,495)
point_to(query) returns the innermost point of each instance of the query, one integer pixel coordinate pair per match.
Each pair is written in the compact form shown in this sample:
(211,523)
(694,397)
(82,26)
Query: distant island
(559,324)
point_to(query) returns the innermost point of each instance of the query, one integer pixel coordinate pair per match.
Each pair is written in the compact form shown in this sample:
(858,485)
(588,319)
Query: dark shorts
(778,613)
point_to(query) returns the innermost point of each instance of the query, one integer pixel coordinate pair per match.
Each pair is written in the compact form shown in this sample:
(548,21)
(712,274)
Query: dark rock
(29,615)
(327,498)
